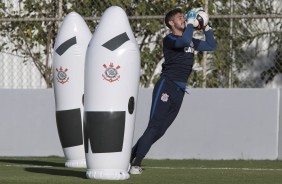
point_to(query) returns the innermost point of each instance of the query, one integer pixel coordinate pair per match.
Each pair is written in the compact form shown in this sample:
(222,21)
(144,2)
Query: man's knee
(155,132)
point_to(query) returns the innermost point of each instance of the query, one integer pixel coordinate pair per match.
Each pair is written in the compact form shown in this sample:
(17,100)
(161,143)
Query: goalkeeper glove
(191,17)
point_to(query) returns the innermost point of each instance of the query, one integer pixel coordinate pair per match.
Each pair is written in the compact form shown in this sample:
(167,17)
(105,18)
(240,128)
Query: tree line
(238,40)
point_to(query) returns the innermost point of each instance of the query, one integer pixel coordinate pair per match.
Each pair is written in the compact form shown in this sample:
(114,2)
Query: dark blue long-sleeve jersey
(179,53)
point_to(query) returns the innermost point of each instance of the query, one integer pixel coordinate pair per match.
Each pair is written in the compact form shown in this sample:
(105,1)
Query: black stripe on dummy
(66,45)
(104,131)
(69,127)
(131,104)
(116,42)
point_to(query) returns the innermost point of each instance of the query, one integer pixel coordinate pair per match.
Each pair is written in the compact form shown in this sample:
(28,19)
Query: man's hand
(207,28)
(191,17)
(192,14)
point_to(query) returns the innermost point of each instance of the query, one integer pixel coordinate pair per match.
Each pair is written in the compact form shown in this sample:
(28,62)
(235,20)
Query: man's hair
(169,16)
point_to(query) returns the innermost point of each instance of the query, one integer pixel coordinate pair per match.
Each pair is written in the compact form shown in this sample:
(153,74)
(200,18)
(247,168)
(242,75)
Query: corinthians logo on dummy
(62,76)
(111,72)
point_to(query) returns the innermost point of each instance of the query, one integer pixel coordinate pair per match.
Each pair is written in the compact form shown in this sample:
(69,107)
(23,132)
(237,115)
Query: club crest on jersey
(191,44)
(111,73)
(62,76)
(164,97)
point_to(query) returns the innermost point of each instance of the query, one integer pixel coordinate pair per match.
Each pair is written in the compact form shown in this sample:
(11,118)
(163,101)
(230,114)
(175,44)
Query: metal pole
(60,9)
(231,45)
(204,85)
(40,19)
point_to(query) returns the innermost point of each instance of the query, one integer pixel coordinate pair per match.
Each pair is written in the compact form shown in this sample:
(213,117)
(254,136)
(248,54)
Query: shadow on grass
(58,172)
(32,162)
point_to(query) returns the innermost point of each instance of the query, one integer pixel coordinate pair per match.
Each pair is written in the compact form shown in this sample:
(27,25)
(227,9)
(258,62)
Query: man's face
(178,22)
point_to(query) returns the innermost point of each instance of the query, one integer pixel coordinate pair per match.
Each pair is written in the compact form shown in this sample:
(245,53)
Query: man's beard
(179,28)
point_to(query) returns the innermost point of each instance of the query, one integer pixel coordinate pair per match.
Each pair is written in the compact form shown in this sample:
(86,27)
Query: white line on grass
(166,168)
(214,168)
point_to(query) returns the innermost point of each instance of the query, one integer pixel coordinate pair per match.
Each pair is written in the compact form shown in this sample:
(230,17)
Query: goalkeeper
(178,48)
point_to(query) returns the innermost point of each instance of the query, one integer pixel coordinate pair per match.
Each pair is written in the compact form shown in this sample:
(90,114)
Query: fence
(248,55)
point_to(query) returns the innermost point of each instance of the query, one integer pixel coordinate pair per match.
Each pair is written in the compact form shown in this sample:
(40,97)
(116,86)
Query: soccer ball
(203,19)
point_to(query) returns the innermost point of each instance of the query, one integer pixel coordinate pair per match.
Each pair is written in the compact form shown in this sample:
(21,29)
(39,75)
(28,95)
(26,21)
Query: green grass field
(51,170)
